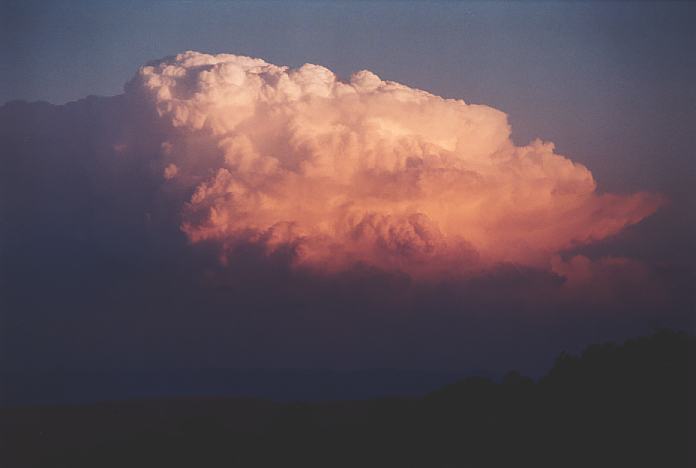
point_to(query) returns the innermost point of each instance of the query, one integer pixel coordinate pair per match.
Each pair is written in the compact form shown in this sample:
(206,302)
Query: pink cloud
(369,171)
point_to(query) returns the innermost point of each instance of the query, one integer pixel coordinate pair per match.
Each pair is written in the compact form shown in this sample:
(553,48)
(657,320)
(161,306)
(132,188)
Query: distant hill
(623,405)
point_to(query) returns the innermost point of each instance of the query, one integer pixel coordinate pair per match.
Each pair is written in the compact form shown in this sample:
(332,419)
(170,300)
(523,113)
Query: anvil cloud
(365,171)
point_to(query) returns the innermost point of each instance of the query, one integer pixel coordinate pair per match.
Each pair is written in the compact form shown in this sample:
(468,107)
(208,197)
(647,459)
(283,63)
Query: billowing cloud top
(366,171)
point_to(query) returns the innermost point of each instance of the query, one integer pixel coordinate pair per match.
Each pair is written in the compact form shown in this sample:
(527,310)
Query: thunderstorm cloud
(365,171)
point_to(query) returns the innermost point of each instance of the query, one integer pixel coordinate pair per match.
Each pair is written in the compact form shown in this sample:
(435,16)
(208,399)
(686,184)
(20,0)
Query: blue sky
(612,84)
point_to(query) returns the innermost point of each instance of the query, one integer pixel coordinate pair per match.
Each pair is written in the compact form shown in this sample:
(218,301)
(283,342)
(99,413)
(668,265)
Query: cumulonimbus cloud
(366,171)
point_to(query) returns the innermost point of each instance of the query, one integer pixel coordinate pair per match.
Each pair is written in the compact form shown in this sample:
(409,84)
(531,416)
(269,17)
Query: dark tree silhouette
(614,406)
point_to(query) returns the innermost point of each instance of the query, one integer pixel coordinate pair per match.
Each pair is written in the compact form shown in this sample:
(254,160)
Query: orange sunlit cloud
(367,171)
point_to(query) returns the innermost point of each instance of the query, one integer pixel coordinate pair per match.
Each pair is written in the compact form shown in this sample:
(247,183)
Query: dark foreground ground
(615,406)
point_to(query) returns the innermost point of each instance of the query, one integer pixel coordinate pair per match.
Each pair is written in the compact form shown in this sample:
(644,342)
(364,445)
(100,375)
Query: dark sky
(86,283)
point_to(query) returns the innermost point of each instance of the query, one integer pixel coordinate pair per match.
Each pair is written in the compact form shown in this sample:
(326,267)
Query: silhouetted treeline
(614,406)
